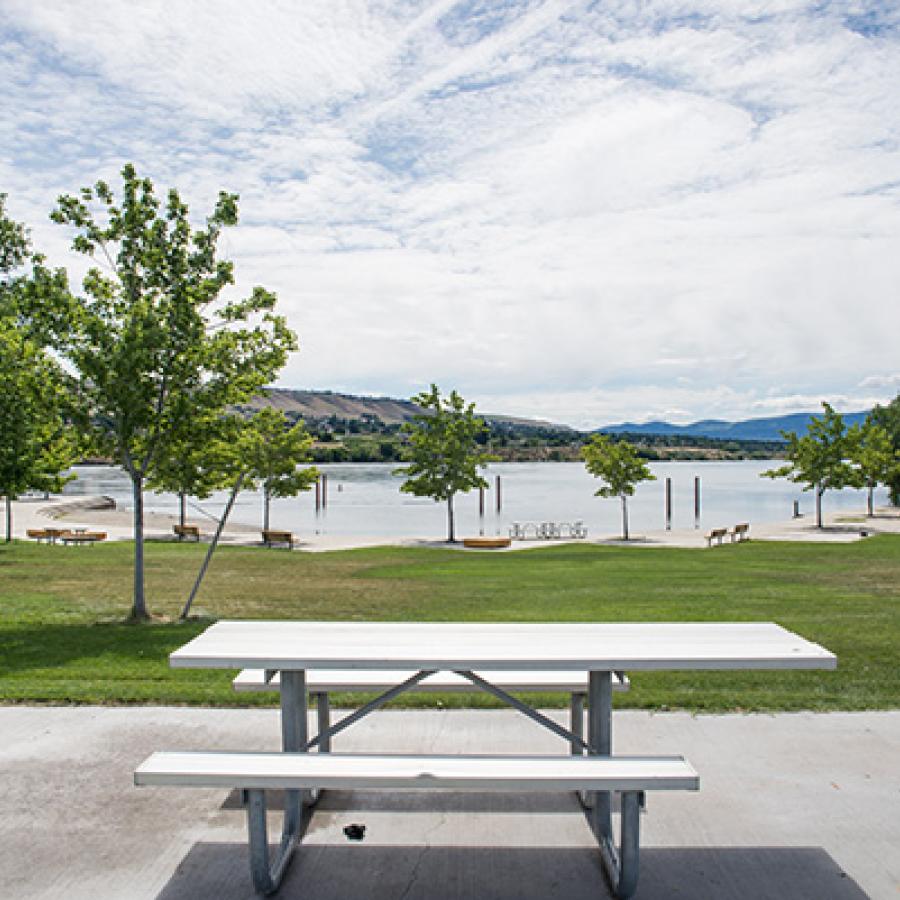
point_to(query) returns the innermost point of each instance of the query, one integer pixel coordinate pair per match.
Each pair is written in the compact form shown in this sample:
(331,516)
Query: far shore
(87,512)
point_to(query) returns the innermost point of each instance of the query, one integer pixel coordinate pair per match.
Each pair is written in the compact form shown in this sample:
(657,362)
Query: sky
(587,212)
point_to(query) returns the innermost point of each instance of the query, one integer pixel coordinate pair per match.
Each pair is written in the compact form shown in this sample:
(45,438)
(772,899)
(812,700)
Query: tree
(619,467)
(36,444)
(888,417)
(262,449)
(154,345)
(272,451)
(443,450)
(820,459)
(874,456)
(198,460)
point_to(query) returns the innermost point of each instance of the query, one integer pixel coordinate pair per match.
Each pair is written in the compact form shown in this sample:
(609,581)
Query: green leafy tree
(888,417)
(152,341)
(620,469)
(874,456)
(272,451)
(261,450)
(36,443)
(198,460)
(444,454)
(820,459)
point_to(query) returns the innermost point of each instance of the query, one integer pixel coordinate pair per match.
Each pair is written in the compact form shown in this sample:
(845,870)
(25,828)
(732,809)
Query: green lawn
(63,639)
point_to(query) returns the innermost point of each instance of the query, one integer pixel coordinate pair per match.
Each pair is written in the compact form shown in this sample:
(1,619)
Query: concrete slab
(791,806)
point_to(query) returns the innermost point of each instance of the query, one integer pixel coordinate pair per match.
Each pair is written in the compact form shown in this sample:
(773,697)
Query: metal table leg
(267,877)
(621,865)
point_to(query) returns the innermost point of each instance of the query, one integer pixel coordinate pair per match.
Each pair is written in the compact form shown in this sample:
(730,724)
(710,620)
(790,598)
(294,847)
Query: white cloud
(586,212)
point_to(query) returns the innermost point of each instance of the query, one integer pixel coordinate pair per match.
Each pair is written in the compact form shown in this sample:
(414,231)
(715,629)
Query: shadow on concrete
(424,801)
(361,872)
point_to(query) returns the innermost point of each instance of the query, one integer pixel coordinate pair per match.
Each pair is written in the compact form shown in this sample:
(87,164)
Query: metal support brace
(573,739)
(600,739)
(576,722)
(267,877)
(324,719)
(622,866)
(324,737)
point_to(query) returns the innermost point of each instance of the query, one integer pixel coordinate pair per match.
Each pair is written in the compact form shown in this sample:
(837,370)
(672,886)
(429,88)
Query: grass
(63,638)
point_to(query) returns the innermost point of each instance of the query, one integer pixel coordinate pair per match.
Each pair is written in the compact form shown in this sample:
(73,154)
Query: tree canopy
(272,450)
(619,468)
(875,458)
(888,417)
(444,451)
(36,444)
(155,345)
(820,460)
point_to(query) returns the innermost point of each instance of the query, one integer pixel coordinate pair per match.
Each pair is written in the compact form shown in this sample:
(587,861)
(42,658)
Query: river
(364,499)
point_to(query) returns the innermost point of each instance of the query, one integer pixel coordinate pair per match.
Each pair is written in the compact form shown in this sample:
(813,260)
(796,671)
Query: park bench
(271,538)
(321,683)
(740,532)
(716,534)
(40,534)
(186,531)
(82,537)
(254,773)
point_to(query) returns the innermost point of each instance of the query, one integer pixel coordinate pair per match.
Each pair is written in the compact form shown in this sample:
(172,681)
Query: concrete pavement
(801,806)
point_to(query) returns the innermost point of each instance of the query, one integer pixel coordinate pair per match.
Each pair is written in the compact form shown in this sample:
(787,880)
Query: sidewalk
(801,806)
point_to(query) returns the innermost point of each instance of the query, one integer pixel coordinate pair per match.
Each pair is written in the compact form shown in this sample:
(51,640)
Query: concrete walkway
(793,807)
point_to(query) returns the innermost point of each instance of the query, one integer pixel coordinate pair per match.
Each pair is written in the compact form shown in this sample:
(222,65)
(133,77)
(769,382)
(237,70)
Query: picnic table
(482,654)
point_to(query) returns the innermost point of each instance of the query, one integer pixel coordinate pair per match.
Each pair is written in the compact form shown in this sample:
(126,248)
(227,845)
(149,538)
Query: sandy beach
(94,513)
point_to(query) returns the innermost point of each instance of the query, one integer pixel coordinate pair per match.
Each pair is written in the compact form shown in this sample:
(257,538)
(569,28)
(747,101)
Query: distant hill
(318,406)
(767,429)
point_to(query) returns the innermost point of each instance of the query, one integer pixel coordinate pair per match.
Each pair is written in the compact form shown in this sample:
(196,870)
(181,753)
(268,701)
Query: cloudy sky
(584,211)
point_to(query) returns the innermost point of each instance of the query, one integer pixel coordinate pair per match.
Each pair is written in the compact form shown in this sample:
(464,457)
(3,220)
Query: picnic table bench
(740,532)
(271,538)
(82,537)
(547,531)
(328,654)
(186,531)
(716,534)
(320,684)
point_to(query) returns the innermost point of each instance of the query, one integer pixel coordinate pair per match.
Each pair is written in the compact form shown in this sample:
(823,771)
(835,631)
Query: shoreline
(92,513)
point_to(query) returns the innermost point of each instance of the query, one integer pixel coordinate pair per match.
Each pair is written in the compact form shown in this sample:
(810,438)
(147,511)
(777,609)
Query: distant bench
(321,683)
(271,538)
(52,535)
(740,532)
(186,531)
(82,537)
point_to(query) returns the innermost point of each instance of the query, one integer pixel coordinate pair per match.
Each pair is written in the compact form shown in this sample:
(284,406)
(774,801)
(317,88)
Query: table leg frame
(267,876)
(621,865)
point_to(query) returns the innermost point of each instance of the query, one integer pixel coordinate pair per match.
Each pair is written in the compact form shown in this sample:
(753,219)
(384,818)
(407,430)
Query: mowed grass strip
(63,638)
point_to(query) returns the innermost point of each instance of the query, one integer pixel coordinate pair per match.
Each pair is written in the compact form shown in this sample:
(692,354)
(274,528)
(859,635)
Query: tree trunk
(181,508)
(871,500)
(819,492)
(8,518)
(624,518)
(451,533)
(212,547)
(266,501)
(139,606)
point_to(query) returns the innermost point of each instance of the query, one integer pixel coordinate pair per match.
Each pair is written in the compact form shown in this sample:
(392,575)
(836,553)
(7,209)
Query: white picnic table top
(589,646)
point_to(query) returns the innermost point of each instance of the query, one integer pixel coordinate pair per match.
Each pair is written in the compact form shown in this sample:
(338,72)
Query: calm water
(364,499)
